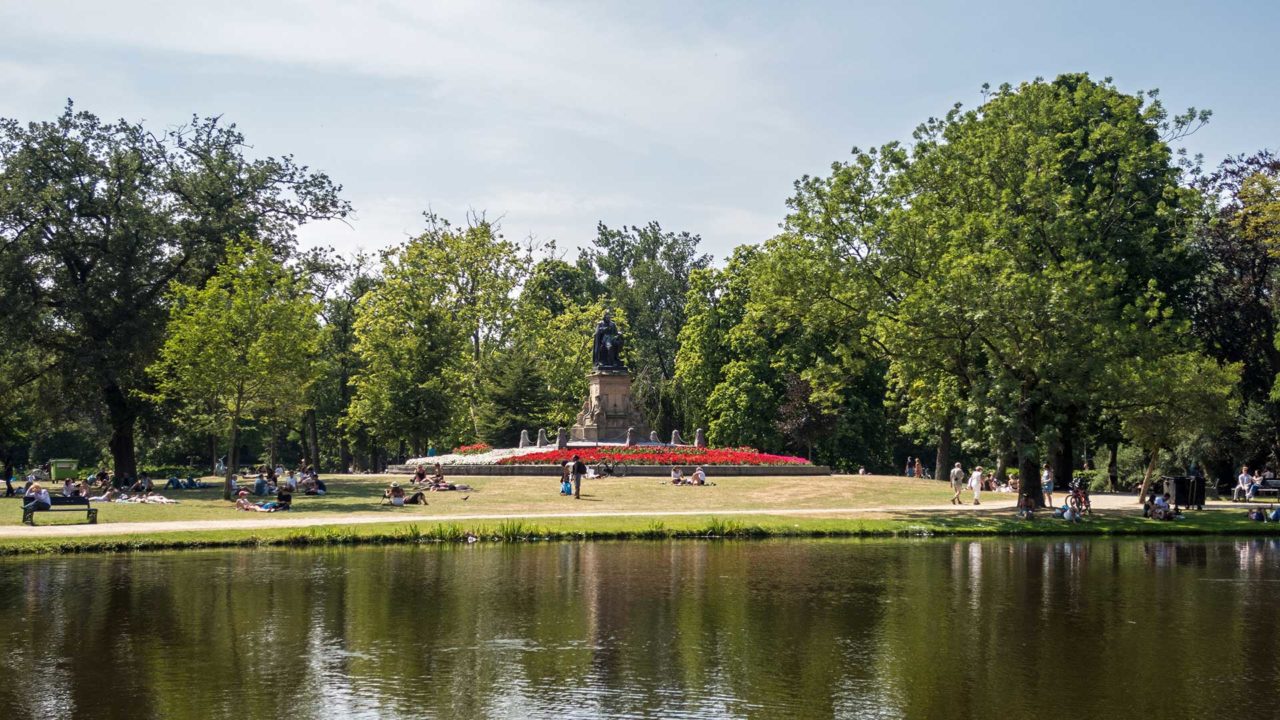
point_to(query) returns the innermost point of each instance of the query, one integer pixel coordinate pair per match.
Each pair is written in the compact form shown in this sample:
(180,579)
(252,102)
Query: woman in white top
(975,484)
(676,477)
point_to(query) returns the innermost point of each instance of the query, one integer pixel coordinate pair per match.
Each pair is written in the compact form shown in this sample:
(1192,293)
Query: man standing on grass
(957,483)
(579,469)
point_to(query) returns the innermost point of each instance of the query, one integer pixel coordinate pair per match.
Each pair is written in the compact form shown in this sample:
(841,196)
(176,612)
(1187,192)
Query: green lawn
(361,494)
(902,504)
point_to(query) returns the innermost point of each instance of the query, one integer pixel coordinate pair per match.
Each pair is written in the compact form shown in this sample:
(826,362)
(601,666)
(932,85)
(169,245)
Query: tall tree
(98,219)
(244,345)
(1009,257)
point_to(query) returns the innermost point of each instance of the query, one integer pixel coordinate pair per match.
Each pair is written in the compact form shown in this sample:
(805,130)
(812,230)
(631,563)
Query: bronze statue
(606,345)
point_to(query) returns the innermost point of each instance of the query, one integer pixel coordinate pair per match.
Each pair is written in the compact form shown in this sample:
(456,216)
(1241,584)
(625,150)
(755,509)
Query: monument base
(609,412)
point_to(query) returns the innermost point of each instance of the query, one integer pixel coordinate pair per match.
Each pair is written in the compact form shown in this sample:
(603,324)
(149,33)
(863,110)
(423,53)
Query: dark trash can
(1185,491)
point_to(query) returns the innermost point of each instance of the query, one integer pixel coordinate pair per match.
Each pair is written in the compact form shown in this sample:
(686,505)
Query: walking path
(995,502)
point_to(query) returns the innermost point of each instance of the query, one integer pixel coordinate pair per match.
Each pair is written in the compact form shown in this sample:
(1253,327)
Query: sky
(555,116)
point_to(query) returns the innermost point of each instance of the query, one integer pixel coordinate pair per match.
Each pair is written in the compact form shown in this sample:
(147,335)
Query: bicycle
(1078,498)
(604,468)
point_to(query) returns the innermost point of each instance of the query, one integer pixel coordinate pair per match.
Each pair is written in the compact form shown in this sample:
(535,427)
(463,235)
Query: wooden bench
(58,503)
(1269,487)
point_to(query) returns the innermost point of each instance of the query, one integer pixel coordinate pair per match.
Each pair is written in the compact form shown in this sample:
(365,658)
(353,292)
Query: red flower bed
(473,449)
(656,455)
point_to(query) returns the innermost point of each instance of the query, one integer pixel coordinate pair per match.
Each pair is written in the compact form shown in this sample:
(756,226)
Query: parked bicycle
(1078,498)
(604,468)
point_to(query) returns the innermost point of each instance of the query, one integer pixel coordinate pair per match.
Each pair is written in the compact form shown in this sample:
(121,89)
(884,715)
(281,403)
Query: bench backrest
(59,500)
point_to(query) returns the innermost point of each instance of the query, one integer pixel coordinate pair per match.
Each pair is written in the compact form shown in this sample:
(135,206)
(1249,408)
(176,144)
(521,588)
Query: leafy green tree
(98,219)
(412,350)
(1234,308)
(244,345)
(1007,259)
(1172,398)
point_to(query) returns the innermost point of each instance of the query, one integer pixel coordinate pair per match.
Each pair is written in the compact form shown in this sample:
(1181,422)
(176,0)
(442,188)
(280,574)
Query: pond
(683,629)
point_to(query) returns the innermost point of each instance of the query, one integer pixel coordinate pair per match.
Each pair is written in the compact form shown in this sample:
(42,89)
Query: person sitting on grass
(244,503)
(420,475)
(437,475)
(677,478)
(283,501)
(1161,509)
(260,486)
(291,481)
(395,494)
(700,477)
(316,486)
(143,484)
(1026,507)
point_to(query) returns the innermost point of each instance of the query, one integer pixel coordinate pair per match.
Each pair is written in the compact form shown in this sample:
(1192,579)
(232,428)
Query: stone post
(524,438)
(542,437)
(675,438)
(699,438)
(653,436)
(631,436)
(562,439)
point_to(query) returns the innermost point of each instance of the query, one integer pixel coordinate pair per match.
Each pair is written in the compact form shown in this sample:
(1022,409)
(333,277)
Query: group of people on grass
(99,487)
(697,477)
(278,484)
(434,482)
(980,479)
(914,469)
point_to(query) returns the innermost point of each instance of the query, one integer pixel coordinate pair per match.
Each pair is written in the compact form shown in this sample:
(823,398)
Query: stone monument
(608,411)
(542,437)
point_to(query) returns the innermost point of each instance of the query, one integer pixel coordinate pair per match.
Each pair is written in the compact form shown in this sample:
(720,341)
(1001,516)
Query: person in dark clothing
(579,469)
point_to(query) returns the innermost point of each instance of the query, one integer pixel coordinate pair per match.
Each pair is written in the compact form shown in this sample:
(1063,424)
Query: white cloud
(569,65)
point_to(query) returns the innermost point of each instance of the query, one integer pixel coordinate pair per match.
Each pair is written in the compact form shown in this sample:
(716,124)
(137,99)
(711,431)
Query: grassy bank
(1110,523)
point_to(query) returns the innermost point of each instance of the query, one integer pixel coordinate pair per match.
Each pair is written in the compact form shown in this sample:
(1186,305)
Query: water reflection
(1074,628)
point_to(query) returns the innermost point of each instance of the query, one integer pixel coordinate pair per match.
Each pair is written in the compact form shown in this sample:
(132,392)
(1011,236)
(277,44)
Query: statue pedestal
(608,411)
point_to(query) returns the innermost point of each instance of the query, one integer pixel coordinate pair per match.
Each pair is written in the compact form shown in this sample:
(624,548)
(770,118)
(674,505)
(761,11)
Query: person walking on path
(910,468)
(1046,485)
(919,468)
(975,484)
(579,469)
(957,483)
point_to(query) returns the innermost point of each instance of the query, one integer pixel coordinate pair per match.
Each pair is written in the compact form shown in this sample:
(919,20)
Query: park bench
(1268,487)
(63,504)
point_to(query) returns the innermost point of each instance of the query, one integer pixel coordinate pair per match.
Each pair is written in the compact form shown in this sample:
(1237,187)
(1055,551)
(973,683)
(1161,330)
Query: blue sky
(554,116)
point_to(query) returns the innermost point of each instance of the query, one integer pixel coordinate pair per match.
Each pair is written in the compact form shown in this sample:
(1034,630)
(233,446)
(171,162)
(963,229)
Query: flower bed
(476,449)
(655,455)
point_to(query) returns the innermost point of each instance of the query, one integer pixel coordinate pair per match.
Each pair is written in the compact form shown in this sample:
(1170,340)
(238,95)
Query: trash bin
(1185,491)
(60,470)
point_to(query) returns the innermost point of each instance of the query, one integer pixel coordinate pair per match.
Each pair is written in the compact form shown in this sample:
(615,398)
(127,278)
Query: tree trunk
(314,435)
(1146,478)
(1028,467)
(1062,461)
(344,455)
(942,460)
(305,438)
(122,417)
(1002,469)
(233,460)
(1113,464)
(272,455)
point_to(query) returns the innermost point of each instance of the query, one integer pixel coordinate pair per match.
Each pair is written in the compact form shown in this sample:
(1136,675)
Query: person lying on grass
(395,495)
